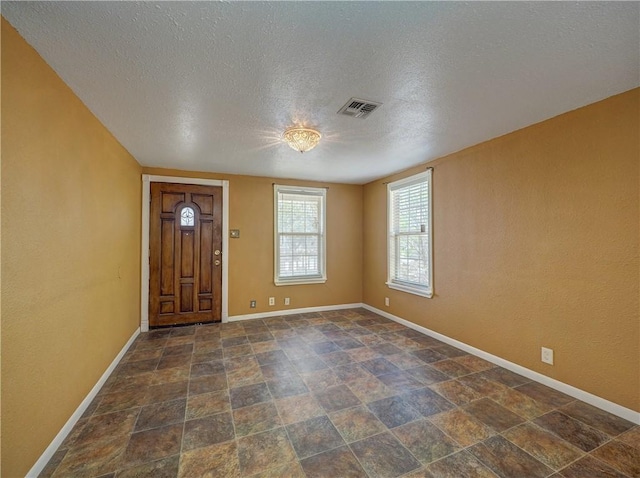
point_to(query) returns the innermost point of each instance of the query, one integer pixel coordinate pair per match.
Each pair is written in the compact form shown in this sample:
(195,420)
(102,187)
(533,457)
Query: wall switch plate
(252,304)
(234,233)
(386,301)
(272,301)
(287,301)
(547,355)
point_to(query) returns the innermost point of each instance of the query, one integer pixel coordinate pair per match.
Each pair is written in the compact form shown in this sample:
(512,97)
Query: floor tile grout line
(500,434)
(497,433)
(133,430)
(406,447)
(365,405)
(345,443)
(264,431)
(462,447)
(374,435)
(582,453)
(186,405)
(611,439)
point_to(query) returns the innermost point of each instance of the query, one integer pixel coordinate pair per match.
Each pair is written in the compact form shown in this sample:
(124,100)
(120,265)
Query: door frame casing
(147,179)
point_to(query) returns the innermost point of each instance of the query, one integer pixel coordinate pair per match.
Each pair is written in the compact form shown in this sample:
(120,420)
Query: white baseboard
(305,310)
(570,390)
(66,429)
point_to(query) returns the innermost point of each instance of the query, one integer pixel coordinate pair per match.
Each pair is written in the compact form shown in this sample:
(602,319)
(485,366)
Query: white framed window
(300,241)
(410,235)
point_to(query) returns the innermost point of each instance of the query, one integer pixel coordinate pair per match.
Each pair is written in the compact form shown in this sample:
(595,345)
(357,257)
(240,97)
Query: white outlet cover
(546,355)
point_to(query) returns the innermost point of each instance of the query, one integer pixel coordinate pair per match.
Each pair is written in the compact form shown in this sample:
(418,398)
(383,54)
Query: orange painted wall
(70,252)
(535,244)
(251,256)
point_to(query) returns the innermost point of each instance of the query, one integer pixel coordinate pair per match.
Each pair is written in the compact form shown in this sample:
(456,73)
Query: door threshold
(175,326)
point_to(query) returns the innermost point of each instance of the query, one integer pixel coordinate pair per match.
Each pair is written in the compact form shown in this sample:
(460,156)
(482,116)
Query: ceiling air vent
(359,108)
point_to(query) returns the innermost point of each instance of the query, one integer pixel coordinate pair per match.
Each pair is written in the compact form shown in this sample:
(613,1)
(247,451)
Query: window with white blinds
(299,235)
(409,240)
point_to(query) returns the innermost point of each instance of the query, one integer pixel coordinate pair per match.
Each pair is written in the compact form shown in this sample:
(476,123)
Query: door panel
(206,256)
(185,254)
(170,200)
(166,264)
(205,203)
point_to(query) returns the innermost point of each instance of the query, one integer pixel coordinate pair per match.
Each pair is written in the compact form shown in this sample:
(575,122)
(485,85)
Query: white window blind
(299,235)
(410,235)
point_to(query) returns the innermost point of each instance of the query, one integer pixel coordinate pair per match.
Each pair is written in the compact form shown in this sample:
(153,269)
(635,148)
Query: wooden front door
(185,246)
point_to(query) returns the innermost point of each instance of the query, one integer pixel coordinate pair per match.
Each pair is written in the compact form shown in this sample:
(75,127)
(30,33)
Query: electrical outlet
(287,301)
(272,301)
(252,304)
(386,301)
(547,355)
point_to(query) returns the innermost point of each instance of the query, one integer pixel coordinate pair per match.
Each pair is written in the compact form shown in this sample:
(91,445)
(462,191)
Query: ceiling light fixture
(301,139)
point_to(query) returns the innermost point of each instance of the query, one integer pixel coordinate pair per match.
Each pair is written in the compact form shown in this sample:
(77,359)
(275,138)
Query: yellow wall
(251,256)
(70,252)
(535,244)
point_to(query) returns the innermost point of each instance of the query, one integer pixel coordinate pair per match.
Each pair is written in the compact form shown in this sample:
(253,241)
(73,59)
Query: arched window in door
(187,216)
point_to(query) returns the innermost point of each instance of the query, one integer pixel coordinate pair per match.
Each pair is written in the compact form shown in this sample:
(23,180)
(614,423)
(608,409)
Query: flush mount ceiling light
(302,139)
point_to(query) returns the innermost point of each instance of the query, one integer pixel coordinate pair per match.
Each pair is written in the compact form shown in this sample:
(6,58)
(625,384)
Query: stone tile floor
(334,394)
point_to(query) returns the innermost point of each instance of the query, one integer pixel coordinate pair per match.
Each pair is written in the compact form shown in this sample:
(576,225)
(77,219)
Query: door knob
(216,262)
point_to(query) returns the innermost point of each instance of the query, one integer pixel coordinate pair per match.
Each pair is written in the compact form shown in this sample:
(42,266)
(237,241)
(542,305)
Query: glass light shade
(302,139)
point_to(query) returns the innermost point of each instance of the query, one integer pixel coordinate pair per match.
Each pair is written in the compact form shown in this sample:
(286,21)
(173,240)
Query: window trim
(426,291)
(299,280)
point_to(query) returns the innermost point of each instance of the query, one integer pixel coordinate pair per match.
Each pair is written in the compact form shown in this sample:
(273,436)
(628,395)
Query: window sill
(411,290)
(301,281)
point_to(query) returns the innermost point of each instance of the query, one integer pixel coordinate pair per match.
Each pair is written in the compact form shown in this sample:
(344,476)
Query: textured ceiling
(210,86)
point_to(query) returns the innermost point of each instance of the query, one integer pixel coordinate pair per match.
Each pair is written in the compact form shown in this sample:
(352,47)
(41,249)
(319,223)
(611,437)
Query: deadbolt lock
(217,252)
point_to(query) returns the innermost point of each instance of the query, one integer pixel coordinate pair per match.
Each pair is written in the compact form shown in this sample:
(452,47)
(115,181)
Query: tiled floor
(336,394)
